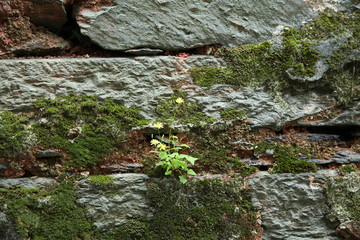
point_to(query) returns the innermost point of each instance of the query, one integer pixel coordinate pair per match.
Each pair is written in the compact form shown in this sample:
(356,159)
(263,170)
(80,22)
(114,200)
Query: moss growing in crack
(263,65)
(85,127)
(201,210)
(13,134)
(46,213)
(185,113)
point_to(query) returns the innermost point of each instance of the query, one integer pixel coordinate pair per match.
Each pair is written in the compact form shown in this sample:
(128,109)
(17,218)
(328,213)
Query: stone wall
(291,206)
(292,67)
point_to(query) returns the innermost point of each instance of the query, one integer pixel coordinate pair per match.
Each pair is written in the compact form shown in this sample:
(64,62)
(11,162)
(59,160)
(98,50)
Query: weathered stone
(326,49)
(293,206)
(127,200)
(346,157)
(348,117)
(26,182)
(171,25)
(47,154)
(263,109)
(7,229)
(140,81)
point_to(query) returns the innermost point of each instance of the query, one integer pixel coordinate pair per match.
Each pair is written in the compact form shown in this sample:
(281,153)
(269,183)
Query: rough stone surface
(293,206)
(26,182)
(350,116)
(142,82)
(111,210)
(169,24)
(263,110)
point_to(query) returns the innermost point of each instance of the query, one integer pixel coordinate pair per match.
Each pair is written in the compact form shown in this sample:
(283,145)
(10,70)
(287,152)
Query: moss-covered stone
(344,199)
(13,135)
(46,213)
(274,67)
(84,127)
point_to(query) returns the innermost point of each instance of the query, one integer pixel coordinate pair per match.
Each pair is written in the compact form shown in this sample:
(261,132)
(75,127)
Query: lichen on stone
(343,195)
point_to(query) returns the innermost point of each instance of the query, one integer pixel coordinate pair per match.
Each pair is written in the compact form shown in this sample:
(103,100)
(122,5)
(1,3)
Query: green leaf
(184,145)
(162,163)
(168,172)
(191,172)
(163,155)
(183,179)
(191,159)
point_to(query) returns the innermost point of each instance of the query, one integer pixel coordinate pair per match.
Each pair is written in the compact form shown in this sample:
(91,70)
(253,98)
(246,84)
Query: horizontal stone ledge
(173,25)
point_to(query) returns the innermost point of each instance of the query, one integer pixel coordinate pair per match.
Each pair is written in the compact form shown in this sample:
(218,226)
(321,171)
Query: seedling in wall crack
(172,161)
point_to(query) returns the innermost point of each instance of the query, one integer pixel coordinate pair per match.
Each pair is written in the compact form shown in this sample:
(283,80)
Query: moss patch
(200,210)
(13,134)
(101,180)
(286,158)
(84,127)
(46,213)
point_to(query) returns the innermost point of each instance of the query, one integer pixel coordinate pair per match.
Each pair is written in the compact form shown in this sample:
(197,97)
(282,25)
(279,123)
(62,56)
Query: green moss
(84,127)
(215,148)
(46,213)
(286,158)
(188,112)
(13,134)
(263,65)
(134,229)
(200,210)
(101,180)
(349,168)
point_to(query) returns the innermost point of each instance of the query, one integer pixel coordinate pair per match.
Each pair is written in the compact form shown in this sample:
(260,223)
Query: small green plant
(171,159)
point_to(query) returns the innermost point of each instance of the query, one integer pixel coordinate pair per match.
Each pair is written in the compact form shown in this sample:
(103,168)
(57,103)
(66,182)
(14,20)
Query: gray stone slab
(173,25)
(293,206)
